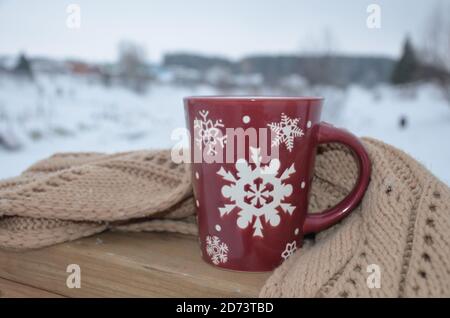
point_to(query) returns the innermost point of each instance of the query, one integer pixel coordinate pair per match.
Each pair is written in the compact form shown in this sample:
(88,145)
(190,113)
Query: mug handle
(319,221)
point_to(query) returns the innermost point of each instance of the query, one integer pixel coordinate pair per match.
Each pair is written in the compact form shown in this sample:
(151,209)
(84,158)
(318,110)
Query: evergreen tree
(406,68)
(23,67)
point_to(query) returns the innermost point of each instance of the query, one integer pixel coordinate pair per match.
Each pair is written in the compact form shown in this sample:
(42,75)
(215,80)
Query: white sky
(232,28)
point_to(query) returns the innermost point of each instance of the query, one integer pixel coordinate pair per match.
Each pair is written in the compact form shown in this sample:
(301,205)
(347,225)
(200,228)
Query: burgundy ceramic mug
(252,167)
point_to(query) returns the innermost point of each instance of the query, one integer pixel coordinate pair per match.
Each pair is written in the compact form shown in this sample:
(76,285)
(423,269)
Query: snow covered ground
(57,114)
(426,136)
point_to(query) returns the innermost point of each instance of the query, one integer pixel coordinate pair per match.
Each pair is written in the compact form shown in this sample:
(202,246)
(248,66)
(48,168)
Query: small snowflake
(257,192)
(285,131)
(289,250)
(208,133)
(218,251)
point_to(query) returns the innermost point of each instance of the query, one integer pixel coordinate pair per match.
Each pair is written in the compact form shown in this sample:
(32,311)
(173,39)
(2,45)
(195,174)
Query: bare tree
(132,65)
(321,52)
(436,42)
(436,45)
(324,43)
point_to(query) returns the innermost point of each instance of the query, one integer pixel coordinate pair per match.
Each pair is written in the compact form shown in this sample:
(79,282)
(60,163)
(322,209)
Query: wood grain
(9,289)
(129,265)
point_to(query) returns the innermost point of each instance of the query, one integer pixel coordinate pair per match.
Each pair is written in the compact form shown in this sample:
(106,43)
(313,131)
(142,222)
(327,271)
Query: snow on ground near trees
(67,114)
(426,137)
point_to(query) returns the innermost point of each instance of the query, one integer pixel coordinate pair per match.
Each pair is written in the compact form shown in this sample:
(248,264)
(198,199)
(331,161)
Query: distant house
(48,66)
(82,68)
(3,70)
(274,69)
(7,63)
(432,73)
(185,75)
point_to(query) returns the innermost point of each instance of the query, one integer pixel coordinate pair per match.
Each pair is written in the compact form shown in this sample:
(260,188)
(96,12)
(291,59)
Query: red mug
(252,161)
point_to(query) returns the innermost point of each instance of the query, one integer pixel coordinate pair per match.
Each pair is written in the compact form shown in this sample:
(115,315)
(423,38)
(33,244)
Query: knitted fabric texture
(73,195)
(402,226)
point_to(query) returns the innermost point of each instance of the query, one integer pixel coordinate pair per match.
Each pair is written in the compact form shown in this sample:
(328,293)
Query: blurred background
(110,76)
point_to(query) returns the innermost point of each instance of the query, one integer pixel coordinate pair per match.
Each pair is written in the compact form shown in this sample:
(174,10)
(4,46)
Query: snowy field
(65,114)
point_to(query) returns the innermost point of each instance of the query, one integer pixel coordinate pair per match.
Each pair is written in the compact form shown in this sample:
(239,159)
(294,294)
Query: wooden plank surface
(9,289)
(128,265)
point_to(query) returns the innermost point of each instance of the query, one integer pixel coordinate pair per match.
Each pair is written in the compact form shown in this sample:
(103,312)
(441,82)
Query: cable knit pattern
(73,195)
(402,224)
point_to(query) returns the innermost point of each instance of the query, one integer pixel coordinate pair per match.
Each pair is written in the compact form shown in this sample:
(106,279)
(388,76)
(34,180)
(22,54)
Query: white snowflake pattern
(289,250)
(208,133)
(285,131)
(257,192)
(217,250)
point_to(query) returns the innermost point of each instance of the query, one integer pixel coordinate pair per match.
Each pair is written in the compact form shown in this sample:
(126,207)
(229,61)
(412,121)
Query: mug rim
(252,98)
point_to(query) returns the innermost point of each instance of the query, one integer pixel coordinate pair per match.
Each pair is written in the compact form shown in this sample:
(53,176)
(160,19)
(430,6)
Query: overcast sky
(232,28)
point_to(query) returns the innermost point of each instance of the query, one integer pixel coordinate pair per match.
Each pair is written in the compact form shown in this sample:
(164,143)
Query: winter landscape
(56,113)
(71,82)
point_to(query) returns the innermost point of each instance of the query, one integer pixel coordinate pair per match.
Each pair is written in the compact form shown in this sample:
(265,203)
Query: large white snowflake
(217,250)
(285,131)
(208,133)
(257,192)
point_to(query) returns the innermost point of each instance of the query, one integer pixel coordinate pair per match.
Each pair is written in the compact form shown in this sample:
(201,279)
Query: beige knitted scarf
(402,225)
